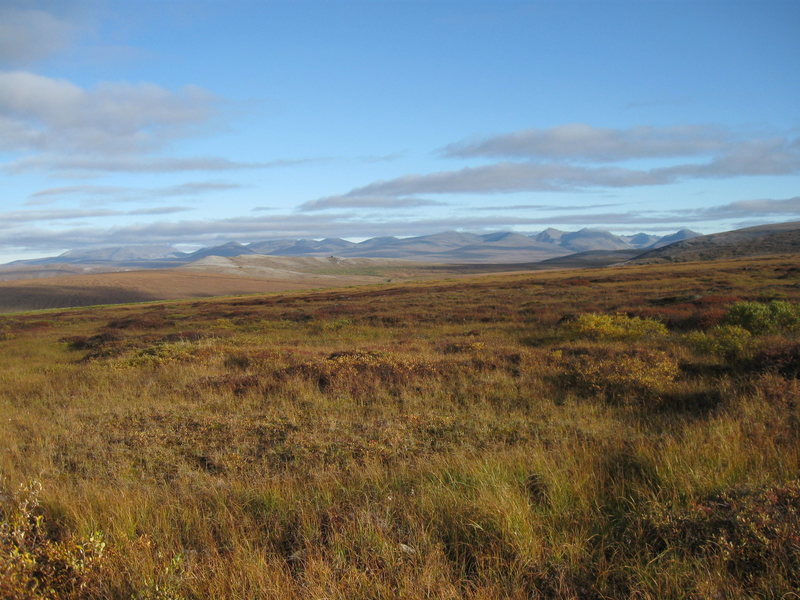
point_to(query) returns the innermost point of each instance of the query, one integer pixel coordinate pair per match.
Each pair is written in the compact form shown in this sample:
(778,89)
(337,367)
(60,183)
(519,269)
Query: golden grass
(451,439)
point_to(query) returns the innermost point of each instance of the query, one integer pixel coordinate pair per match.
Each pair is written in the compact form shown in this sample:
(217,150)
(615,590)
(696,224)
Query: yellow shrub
(618,374)
(33,566)
(162,353)
(598,326)
(726,341)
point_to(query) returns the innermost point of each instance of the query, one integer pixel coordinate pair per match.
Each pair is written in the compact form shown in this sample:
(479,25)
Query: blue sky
(203,122)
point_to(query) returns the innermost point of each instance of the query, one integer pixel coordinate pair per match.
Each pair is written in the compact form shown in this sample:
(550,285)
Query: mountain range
(138,273)
(445,247)
(551,248)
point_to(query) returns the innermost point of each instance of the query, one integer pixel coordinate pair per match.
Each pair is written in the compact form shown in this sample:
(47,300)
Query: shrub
(782,357)
(730,342)
(33,565)
(598,326)
(95,342)
(237,360)
(333,325)
(617,374)
(163,352)
(364,373)
(755,532)
(759,317)
(459,347)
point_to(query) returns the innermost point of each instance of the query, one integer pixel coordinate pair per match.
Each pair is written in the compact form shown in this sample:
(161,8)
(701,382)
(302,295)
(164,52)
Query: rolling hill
(780,238)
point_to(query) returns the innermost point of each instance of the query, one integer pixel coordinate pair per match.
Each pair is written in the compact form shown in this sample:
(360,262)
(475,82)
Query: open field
(140,286)
(212,277)
(626,432)
(224,276)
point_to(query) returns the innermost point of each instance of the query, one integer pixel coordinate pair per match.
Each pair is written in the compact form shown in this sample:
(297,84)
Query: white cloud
(79,190)
(80,166)
(754,157)
(47,115)
(578,141)
(9,220)
(120,194)
(788,207)
(53,125)
(28,35)
(385,202)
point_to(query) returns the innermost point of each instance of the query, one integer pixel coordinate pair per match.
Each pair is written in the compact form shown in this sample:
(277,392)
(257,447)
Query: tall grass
(515,436)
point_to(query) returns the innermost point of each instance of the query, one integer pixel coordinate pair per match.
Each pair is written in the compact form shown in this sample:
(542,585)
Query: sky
(200,122)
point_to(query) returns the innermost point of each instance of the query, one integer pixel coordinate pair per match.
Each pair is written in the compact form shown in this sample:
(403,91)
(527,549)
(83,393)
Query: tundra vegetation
(611,433)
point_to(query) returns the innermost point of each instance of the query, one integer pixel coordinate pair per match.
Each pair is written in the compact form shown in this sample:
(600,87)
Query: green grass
(459,439)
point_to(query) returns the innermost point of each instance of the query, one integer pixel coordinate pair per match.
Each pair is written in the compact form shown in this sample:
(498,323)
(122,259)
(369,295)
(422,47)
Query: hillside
(781,238)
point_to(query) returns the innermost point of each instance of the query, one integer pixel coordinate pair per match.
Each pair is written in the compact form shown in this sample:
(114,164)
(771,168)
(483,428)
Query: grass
(610,433)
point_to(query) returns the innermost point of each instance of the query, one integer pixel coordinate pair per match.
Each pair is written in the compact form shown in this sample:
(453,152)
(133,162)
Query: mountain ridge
(445,246)
(751,241)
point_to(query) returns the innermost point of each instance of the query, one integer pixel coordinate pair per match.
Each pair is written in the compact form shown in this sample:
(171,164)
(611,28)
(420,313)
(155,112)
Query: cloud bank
(574,158)
(579,141)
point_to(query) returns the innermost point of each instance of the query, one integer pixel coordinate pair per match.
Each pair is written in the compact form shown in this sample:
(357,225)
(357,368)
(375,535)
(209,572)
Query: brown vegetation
(616,433)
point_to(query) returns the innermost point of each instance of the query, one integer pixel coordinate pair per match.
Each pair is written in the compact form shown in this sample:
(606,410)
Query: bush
(163,352)
(598,326)
(33,565)
(755,532)
(364,373)
(782,357)
(759,317)
(730,342)
(617,374)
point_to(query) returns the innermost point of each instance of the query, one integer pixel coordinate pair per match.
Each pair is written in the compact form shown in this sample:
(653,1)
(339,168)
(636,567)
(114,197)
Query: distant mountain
(501,247)
(592,239)
(641,240)
(229,249)
(683,234)
(506,238)
(112,254)
(271,246)
(549,235)
(446,239)
(122,253)
(781,238)
(306,247)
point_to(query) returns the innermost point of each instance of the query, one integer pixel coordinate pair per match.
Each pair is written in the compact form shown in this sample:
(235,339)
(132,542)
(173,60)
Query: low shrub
(782,357)
(760,317)
(730,342)
(163,352)
(364,373)
(462,347)
(36,566)
(94,342)
(598,326)
(237,360)
(617,374)
(756,533)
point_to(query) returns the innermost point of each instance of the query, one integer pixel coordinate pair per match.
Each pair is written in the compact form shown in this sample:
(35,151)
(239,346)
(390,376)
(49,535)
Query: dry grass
(459,439)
